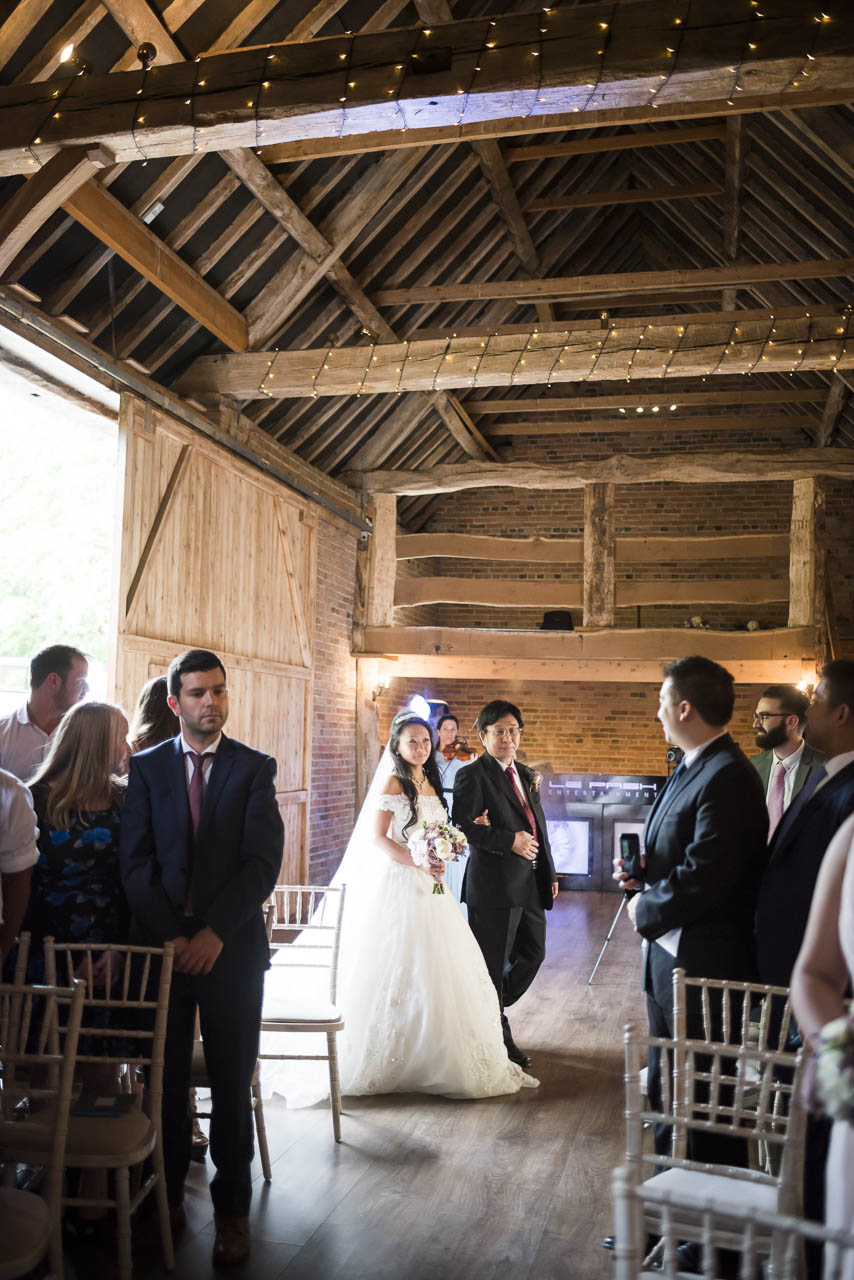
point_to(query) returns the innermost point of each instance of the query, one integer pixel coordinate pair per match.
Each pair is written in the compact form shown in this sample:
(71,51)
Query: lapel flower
(534,782)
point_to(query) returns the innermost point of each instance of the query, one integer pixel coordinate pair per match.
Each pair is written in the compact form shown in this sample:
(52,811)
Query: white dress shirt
(190,765)
(23,745)
(18,830)
(790,769)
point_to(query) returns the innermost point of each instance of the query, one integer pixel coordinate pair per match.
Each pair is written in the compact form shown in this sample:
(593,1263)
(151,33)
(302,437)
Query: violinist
(452,754)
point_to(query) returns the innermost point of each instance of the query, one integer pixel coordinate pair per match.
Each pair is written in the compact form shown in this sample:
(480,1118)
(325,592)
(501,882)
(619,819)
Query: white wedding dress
(420,1012)
(839,1171)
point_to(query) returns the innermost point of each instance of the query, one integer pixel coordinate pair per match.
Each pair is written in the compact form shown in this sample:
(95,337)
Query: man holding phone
(704,848)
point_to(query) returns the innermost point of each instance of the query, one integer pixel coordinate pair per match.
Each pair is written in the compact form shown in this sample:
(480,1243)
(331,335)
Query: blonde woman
(76,893)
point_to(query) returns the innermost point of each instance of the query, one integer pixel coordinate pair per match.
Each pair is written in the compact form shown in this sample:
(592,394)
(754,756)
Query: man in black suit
(510,880)
(201,849)
(794,857)
(799,843)
(704,843)
(785,761)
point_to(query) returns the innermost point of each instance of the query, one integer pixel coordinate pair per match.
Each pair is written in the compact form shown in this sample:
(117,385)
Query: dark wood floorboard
(423,1188)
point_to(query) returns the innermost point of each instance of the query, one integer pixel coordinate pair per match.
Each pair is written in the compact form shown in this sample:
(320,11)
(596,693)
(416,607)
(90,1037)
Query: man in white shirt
(18,856)
(786,760)
(58,680)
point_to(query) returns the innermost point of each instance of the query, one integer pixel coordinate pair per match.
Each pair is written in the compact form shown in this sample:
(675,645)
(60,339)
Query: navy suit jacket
(495,876)
(230,868)
(704,844)
(793,859)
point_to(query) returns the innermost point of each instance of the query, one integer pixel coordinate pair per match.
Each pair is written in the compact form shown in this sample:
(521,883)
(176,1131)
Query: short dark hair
(444,719)
(838,675)
(494,711)
(56,659)
(186,663)
(791,700)
(707,685)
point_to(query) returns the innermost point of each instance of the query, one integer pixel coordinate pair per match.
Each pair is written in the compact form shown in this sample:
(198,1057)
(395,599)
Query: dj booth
(586,815)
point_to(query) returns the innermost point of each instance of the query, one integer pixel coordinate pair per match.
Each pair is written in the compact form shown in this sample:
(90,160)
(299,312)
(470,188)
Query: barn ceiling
(304,251)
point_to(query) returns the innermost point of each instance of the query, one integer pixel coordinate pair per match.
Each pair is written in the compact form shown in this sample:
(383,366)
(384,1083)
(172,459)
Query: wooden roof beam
(736,146)
(631,399)
(635,423)
(633,195)
(622,142)
(676,468)
(834,407)
(506,202)
(47,190)
(630,282)
(664,352)
(295,95)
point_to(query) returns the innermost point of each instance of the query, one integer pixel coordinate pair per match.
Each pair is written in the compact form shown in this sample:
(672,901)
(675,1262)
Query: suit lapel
(220,769)
(502,783)
(678,785)
(177,773)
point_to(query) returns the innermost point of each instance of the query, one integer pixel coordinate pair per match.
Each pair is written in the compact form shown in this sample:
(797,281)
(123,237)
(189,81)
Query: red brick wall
(569,726)
(333,764)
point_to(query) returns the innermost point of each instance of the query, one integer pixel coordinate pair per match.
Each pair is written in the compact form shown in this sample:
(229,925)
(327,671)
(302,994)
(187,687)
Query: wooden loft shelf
(784,654)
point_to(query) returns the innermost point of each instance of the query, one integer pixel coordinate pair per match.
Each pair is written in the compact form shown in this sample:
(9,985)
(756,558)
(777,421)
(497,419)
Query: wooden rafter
(47,190)
(631,400)
(662,351)
(506,201)
(736,143)
(635,195)
(635,423)
(632,281)
(624,142)
(834,406)
(677,468)
(305,84)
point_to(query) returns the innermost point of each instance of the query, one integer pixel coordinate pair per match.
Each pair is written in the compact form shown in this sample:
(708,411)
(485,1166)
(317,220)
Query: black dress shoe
(517,1055)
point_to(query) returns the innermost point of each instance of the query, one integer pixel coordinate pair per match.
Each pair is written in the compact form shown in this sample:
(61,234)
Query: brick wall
(333,765)
(569,726)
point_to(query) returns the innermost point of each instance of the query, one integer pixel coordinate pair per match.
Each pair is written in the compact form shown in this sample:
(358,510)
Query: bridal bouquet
(436,841)
(834,1079)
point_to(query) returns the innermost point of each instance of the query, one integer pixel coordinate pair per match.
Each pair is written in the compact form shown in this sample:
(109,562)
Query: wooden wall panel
(217,555)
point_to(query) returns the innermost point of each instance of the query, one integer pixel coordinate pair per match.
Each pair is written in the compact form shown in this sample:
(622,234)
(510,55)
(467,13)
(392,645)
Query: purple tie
(776,797)
(197,786)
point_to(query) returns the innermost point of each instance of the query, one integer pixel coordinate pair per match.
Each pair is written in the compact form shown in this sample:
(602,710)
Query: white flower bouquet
(435,842)
(834,1078)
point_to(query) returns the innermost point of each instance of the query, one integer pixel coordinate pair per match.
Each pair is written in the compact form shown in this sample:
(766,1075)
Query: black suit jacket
(231,867)
(793,860)
(704,843)
(495,876)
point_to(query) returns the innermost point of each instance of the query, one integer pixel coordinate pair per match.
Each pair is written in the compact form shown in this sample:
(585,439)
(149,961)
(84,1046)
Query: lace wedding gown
(839,1171)
(420,1012)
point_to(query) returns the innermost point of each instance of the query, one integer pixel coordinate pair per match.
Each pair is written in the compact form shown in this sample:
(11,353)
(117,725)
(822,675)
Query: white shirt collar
(690,756)
(209,750)
(836,763)
(792,761)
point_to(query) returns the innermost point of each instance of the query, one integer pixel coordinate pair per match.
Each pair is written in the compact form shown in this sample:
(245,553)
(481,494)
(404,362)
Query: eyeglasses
(504,733)
(762,716)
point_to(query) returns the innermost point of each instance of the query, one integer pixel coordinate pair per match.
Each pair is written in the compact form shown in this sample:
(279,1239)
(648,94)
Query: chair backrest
(745,1231)
(127,999)
(727,1010)
(22,958)
(306,929)
(37,1076)
(707,1090)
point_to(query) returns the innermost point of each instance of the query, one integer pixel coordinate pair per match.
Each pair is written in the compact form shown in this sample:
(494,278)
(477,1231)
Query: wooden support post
(734,178)
(382,563)
(807,561)
(367,727)
(599,545)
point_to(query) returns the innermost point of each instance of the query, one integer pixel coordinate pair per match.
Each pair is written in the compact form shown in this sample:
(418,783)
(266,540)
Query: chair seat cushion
(293,1008)
(24,1230)
(735,1193)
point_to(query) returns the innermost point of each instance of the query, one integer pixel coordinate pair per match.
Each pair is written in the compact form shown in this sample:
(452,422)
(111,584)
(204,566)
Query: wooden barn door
(216,555)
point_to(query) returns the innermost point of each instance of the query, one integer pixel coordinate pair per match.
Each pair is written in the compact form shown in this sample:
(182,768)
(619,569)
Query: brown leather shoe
(231,1246)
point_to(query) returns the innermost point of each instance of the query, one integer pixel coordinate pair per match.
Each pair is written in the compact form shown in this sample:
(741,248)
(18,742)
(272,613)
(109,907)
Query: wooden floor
(423,1188)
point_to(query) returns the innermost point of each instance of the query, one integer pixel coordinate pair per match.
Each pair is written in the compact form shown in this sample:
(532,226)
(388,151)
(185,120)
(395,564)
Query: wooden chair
(34,1104)
(727,1104)
(752,1233)
(314,914)
(130,1134)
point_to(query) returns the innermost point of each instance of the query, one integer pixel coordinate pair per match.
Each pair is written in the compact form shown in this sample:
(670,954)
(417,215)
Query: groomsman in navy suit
(201,849)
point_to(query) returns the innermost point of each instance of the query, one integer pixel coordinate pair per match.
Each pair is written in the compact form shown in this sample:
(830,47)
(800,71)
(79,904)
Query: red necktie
(197,786)
(776,797)
(532,822)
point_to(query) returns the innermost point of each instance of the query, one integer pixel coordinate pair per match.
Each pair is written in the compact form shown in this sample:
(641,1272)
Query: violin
(459,749)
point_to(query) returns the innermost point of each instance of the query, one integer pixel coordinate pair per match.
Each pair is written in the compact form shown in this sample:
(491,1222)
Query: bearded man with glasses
(786,760)
(510,880)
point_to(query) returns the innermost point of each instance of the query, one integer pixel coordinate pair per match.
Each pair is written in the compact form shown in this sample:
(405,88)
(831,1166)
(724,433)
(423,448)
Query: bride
(420,1012)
